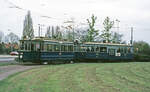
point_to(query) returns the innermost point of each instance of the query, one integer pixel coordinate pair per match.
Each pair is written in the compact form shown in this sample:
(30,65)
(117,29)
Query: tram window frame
(102,50)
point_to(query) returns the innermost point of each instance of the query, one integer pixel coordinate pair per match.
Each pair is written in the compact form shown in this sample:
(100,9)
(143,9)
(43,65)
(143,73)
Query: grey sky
(134,13)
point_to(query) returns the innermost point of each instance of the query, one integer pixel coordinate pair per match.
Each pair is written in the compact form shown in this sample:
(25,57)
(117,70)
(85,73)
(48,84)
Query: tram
(39,50)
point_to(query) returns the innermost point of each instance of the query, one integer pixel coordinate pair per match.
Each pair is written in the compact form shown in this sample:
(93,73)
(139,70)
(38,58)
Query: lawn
(82,77)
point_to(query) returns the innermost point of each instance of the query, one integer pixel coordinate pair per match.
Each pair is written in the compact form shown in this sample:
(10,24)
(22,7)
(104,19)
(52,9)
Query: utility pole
(117,25)
(131,42)
(39,29)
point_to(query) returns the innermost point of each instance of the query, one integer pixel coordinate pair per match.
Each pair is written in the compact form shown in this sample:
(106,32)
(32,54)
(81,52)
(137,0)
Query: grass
(82,77)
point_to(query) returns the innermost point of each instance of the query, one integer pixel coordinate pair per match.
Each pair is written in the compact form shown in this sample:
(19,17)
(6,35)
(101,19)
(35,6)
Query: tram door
(112,52)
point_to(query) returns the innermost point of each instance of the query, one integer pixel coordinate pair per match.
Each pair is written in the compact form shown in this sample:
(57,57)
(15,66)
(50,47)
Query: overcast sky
(131,13)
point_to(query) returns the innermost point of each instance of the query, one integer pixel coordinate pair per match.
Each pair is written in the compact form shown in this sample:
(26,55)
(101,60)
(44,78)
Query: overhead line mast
(131,42)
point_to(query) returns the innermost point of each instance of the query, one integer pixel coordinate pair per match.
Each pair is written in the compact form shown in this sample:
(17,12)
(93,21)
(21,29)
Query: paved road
(7,58)
(5,71)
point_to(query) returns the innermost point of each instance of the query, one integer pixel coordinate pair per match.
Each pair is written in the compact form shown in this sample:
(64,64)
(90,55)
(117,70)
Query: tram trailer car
(104,51)
(39,50)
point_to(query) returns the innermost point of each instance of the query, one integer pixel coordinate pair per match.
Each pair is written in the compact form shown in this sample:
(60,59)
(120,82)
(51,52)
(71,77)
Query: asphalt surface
(7,58)
(5,71)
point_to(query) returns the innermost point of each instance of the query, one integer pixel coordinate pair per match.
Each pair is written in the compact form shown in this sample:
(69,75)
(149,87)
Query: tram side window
(32,46)
(56,48)
(129,50)
(28,47)
(88,49)
(83,48)
(125,50)
(118,50)
(121,50)
(66,49)
(97,49)
(62,48)
(103,49)
(45,47)
(25,46)
(49,47)
(111,51)
(37,46)
(22,46)
(70,48)
(92,49)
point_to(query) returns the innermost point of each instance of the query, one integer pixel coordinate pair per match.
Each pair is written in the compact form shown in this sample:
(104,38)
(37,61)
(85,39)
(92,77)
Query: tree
(141,47)
(12,38)
(81,34)
(70,35)
(28,31)
(59,35)
(92,33)
(116,37)
(106,34)
(48,33)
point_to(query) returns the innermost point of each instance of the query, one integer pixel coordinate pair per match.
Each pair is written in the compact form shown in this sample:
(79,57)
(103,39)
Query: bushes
(142,57)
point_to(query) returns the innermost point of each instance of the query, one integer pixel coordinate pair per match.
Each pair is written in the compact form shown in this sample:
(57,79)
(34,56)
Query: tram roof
(43,39)
(111,44)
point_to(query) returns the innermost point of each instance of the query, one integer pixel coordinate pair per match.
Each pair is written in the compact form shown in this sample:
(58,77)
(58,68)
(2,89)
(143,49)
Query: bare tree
(116,37)
(12,38)
(1,36)
(48,33)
